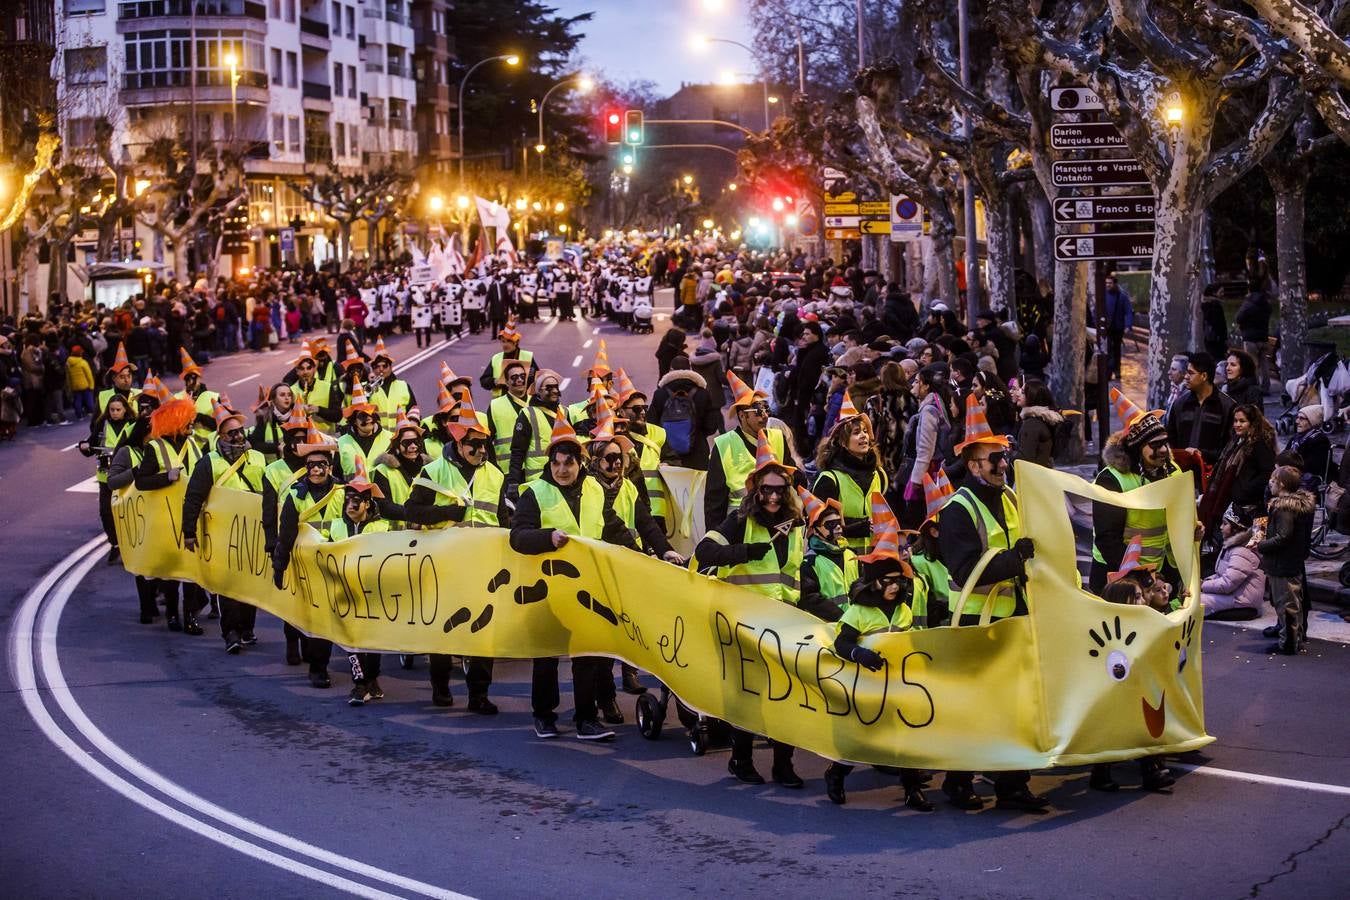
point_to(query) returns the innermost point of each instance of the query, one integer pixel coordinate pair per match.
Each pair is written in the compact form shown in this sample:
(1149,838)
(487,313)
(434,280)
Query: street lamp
(707,223)
(732,186)
(521,203)
(559,206)
(510,59)
(701,42)
(233,62)
(436,203)
(688,180)
(717,6)
(462,202)
(584,85)
(1174,111)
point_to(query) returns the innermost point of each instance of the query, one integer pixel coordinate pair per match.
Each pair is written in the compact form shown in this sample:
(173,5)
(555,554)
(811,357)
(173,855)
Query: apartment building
(318,86)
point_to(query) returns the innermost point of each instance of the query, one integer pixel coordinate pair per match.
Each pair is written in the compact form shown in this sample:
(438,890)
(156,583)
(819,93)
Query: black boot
(744,770)
(190,625)
(293,657)
(441,696)
(834,783)
(914,799)
(1101,779)
(783,772)
(961,794)
(631,685)
(1156,777)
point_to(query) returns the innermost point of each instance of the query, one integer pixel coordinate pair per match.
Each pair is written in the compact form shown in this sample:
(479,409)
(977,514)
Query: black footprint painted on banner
(532,593)
(561,567)
(461,616)
(501,579)
(597,607)
(482,621)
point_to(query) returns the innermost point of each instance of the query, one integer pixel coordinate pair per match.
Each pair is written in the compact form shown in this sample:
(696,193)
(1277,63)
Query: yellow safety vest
(536,456)
(399,488)
(281,476)
(555,514)
(169,458)
(764,575)
(339,530)
(317,396)
(389,398)
(650,446)
(991,535)
(502,413)
(870,620)
(1149,524)
(246,476)
(934,577)
(349,450)
(835,580)
(499,359)
(738,461)
(856,504)
(112,436)
(107,394)
(480,494)
(205,403)
(330,512)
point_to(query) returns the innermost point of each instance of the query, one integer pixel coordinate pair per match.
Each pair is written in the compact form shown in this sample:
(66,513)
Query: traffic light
(632,127)
(613,123)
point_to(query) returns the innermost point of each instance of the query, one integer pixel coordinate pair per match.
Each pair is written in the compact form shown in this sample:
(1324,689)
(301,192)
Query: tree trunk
(998,241)
(1171,316)
(944,265)
(1290,184)
(1069,348)
(344,242)
(1042,234)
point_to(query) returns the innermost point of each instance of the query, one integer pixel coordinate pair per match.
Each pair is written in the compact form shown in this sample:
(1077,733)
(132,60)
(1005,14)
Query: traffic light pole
(741,128)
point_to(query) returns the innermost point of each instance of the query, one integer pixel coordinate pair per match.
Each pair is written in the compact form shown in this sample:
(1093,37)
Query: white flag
(492,214)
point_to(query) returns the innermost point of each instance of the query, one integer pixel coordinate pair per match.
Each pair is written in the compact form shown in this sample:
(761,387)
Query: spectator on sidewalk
(1311,442)
(1119,319)
(1242,470)
(1201,419)
(1213,322)
(1253,322)
(1240,378)
(1238,586)
(1283,546)
(80,382)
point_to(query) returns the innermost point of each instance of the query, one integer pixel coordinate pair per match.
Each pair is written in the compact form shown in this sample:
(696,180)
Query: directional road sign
(841,209)
(1079,247)
(1085,136)
(875,208)
(875,226)
(842,234)
(842,221)
(1074,99)
(1071,210)
(1096,172)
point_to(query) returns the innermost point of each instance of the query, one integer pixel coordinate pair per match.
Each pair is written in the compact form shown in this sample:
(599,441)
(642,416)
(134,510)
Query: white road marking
(576,362)
(661,317)
(88,486)
(242,380)
(562,385)
(1254,778)
(22,663)
(587,344)
(595,330)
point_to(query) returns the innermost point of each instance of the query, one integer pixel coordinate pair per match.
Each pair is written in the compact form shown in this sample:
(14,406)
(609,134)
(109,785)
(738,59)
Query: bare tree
(349,198)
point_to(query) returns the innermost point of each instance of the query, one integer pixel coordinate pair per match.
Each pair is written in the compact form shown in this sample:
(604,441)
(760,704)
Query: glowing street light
(732,186)
(790,221)
(559,206)
(1174,111)
(754,221)
(436,203)
(521,203)
(777,204)
(707,223)
(688,180)
(462,201)
(511,59)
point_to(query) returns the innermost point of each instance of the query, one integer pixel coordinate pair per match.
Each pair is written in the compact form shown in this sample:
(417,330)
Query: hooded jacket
(1237,582)
(1036,435)
(1288,534)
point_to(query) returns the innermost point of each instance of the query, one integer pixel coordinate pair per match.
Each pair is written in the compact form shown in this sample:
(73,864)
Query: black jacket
(1288,534)
(1244,390)
(1204,426)
(421,508)
(528,536)
(1253,318)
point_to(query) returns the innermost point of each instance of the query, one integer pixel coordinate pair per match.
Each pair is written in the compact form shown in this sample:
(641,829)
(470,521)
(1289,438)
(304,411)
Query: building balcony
(313,90)
(314,27)
(175,86)
(205,11)
(398,70)
(374,66)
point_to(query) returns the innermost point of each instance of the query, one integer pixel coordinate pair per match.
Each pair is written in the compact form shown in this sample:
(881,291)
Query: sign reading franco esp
(1069,173)
(1074,682)
(1072,210)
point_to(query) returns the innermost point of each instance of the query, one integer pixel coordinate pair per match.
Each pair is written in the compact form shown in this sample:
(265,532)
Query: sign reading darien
(1085,136)
(1096,172)
(1072,210)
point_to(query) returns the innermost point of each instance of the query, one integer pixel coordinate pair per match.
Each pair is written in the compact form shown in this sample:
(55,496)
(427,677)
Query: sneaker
(232,643)
(374,690)
(319,678)
(190,625)
(483,706)
(545,729)
(248,639)
(591,730)
(358,696)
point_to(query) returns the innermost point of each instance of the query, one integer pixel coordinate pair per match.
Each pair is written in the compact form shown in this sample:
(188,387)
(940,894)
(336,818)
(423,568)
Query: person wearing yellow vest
(317,486)
(463,487)
(926,555)
(760,547)
(314,387)
(529,442)
(106,433)
(828,568)
(360,515)
(562,503)
(205,400)
(494,373)
(631,526)
(505,409)
(171,453)
(232,464)
(121,377)
(983,515)
(850,472)
(650,443)
(395,470)
(881,601)
(277,480)
(733,453)
(1137,455)
(122,473)
(599,382)
(388,392)
(364,437)
(272,411)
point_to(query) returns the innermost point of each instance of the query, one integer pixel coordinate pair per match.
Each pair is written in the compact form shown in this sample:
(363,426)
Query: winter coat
(1036,435)
(1237,582)
(1253,318)
(740,357)
(707,362)
(1288,534)
(1315,447)
(899,317)
(1244,390)
(79,377)
(932,437)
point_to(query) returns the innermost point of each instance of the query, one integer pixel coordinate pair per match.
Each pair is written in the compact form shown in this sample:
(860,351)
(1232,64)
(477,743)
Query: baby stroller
(642,316)
(702,732)
(1306,390)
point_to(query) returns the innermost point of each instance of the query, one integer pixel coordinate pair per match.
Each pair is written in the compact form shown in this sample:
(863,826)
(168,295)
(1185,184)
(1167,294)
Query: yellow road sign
(841,209)
(842,234)
(867,226)
(875,208)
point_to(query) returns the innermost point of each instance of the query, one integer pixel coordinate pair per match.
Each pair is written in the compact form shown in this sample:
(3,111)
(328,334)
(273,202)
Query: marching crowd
(858,461)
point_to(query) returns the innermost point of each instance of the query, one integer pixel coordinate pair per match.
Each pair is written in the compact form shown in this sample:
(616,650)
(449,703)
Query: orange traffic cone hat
(306,354)
(766,459)
(465,421)
(935,493)
(156,389)
(189,367)
(741,395)
(813,507)
(445,403)
(449,378)
(624,389)
(509,332)
(600,367)
(360,481)
(1130,561)
(977,427)
(381,352)
(298,420)
(353,358)
(360,403)
(886,531)
(120,360)
(222,414)
(563,432)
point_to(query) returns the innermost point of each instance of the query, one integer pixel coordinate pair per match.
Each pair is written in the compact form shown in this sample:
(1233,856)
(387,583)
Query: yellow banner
(1025,692)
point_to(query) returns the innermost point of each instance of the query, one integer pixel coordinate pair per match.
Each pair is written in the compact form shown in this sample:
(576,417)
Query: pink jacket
(1237,582)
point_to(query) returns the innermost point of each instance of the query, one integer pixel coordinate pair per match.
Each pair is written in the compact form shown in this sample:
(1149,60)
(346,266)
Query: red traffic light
(613,126)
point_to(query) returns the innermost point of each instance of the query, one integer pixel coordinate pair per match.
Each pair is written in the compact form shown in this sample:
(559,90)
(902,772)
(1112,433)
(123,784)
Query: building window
(87,65)
(351,82)
(340,139)
(276,66)
(335,18)
(80,132)
(75,7)
(274,9)
(292,70)
(279,133)
(290,10)
(353,142)
(351,23)
(158,59)
(295,133)
(437,22)
(337,79)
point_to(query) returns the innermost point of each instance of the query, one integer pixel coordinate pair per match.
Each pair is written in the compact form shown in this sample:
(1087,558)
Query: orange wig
(172,419)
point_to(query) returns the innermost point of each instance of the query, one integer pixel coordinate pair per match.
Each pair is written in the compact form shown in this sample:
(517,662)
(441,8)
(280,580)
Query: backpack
(677,418)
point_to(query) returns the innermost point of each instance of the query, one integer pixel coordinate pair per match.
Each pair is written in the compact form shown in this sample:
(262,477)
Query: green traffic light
(634,137)
(628,159)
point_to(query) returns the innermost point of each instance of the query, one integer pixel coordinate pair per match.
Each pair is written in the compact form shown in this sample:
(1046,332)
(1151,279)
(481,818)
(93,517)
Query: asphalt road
(149,764)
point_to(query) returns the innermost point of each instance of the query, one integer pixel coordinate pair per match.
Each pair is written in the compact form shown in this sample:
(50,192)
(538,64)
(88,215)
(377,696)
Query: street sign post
(286,238)
(1074,99)
(1085,136)
(1074,210)
(1070,173)
(842,209)
(1080,247)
